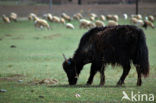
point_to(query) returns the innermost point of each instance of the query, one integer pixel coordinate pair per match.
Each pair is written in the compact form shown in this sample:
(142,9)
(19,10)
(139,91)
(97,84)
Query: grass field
(38,55)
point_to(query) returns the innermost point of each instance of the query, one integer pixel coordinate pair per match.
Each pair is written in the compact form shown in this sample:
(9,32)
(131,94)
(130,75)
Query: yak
(116,45)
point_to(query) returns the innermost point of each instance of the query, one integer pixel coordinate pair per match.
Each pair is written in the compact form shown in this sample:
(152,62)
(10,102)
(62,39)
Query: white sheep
(146,18)
(84,23)
(112,17)
(77,16)
(93,15)
(70,26)
(5,19)
(137,22)
(148,23)
(125,16)
(62,20)
(133,20)
(66,17)
(112,23)
(91,25)
(56,19)
(92,18)
(116,17)
(102,17)
(99,23)
(151,18)
(48,16)
(108,17)
(32,16)
(139,16)
(140,23)
(41,23)
(13,16)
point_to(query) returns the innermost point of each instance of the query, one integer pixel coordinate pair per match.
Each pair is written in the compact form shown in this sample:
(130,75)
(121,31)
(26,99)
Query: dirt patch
(8,35)
(37,38)
(10,66)
(52,36)
(14,77)
(5,36)
(18,38)
(46,81)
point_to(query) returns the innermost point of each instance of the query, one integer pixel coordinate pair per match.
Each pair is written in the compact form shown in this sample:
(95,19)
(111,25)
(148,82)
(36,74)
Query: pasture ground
(30,55)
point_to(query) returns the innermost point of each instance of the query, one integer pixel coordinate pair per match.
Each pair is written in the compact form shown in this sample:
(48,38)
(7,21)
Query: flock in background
(91,21)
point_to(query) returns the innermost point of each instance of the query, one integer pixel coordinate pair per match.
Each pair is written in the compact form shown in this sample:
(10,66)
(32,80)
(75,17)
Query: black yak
(116,45)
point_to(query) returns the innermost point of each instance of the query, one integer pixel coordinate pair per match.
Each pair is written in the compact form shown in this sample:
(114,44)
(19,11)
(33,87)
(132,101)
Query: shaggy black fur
(119,45)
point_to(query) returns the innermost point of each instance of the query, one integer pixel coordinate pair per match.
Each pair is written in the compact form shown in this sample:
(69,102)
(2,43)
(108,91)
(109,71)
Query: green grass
(38,55)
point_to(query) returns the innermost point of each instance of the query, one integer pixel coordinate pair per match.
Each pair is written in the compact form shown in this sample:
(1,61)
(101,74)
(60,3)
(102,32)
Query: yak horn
(64,57)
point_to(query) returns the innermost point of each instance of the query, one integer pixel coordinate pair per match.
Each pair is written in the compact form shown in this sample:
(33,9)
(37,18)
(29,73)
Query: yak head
(69,67)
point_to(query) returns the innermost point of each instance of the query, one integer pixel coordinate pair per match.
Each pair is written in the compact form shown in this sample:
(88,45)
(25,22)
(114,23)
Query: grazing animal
(151,18)
(86,24)
(93,15)
(92,18)
(70,26)
(137,22)
(102,17)
(41,23)
(125,16)
(5,19)
(148,23)
(112,23)
(66,17)
(139,16)
(77,16)
(13,17)
(62,20)
(112,17)
(48,16)
(99,23)
(32,16)
(56,19)
(116,45)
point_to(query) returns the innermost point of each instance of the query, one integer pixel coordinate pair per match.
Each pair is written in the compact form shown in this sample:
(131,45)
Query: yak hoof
(120,83)
(139,83)
(88,84)
(101,84)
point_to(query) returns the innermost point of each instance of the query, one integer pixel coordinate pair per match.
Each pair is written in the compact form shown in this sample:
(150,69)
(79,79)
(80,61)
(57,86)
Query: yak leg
(102,76)
(139,81)
(93,71)
(126,69)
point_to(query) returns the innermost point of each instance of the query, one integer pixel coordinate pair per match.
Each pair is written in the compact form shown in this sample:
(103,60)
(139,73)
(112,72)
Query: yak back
(112,44)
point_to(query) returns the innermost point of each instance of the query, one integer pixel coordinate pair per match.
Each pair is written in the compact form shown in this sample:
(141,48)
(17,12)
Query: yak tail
(141,59)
